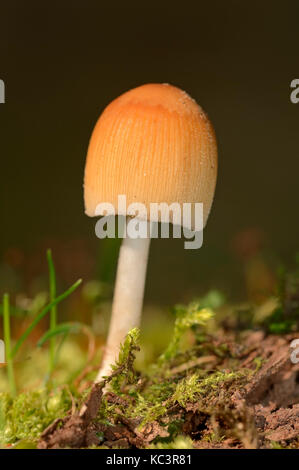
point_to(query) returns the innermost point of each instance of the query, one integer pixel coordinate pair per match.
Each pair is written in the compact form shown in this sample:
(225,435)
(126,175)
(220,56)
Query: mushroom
(153,143)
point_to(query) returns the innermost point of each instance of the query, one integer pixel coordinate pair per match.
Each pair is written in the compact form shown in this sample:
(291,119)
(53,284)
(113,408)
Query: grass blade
(41,315)
(62,328)
(53,311)
(8,353)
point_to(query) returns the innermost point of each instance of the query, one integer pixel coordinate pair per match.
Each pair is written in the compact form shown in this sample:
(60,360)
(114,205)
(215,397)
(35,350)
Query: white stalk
(128,297)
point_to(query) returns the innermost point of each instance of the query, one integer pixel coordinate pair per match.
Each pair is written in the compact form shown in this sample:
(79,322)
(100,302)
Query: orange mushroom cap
(153,143)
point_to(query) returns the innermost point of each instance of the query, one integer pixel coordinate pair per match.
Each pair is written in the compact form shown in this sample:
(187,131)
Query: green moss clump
(180,442)
(193,388)
(123,371)
(26,416)
(186,318)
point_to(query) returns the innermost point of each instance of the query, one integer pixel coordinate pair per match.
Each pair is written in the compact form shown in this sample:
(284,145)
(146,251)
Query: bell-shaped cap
(153,144)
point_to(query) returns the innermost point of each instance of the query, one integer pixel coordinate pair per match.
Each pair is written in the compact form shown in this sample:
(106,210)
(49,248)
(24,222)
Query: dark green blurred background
(63,64)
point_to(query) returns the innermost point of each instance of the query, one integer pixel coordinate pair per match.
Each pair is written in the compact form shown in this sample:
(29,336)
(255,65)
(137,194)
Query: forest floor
(218,384)
(231,395)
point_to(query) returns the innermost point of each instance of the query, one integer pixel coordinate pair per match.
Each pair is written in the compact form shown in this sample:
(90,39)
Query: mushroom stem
(128,297)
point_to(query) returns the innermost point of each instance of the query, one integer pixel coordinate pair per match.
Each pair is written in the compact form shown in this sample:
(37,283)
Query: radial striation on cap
(152,144)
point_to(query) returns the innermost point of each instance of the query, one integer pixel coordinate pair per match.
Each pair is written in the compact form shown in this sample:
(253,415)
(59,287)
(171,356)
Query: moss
(155,392)
(150,412)
(180,442)
(213,437)
(123,371)
(186,390)
(26,416)
(258,361)
(276,445)
(193,387)
(179,394)
(186,318)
